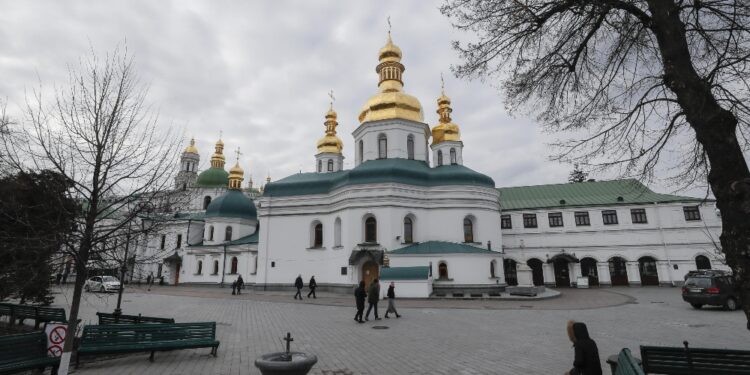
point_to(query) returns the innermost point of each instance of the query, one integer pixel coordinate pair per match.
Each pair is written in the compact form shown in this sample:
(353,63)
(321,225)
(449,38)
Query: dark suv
(710,287)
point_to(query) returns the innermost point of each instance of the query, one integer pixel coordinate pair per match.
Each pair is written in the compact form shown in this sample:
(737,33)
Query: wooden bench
(107,318)
(624,363)
(130,338)
(689,361)
(26,351)
(40,314)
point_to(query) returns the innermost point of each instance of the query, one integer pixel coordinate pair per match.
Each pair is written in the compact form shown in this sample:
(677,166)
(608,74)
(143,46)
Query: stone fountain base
(280,364)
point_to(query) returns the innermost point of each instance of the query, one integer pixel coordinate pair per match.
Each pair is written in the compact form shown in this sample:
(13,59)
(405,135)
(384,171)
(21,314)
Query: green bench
(130,338)
(624,363)
(690,361)
(24,352)
(107,318)
(40,314)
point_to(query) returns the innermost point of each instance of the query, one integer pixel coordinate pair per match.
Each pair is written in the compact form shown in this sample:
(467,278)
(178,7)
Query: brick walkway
(433,337)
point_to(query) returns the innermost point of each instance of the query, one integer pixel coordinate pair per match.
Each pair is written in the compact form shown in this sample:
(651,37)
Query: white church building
(410,211)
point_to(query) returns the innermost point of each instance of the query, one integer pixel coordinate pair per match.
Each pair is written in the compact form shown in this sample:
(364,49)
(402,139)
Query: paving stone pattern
(432,337)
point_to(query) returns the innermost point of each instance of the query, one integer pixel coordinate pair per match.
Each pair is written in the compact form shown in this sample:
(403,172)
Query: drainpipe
(224,265)
(664,244)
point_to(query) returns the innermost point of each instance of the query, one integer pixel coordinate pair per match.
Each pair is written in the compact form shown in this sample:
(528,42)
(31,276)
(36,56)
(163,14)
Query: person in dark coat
(586,360)
(391,294)
(298,284)
(234,287)
(359,296)
(312,285)
(240,284)
(373,295)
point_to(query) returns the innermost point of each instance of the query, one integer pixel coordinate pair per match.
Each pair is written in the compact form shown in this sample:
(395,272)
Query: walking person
(391,294)
(359,297)
(298,284)
(373,295)
(150,280)
(234,287)
(240,284)
(586,360)
(312,285)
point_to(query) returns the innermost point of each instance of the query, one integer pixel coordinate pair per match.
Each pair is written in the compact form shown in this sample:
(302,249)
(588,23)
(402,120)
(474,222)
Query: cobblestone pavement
(432,337)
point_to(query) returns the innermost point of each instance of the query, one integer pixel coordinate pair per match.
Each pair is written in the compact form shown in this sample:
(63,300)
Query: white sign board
(582,282)
(55,338)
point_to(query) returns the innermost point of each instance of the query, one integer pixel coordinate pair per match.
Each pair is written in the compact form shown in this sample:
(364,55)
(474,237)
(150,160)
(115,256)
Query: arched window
(371,230)
(199,269)
(228,233)
(330,165)
(408,230)
(320,166)
(206,201)
(410,147)
(702,262)
(442,271)
(453,156)
(318,235)
(211,233)
(468,230)
(234,266)
(361,151)
(382,147)
(216,267)
(492,269)
(440,158)
(337,232)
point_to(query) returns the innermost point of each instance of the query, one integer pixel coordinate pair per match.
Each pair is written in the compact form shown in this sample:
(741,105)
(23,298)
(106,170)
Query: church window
(361,151)
(609,217)
(410,147)
(453,156)
(320,166)
(442,271)
(371,230)
(529,220)
(382,146)
(199,269)
(163,241)
(318,235)
(692,213)
(468,230)
(492,269)
(216,267)
(555,219)
(206,201)
(179,241)
(505,222)
(228,234)
(408,230)
(211,233)
(702,262)
(233,269)
(638,215)
(582,218)
(330,165)
(337,232)
(440,158)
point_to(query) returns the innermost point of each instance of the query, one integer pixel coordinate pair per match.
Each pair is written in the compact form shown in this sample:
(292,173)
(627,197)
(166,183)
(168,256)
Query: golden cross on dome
(333,98)
(389,25)
(442,84)
(238,153)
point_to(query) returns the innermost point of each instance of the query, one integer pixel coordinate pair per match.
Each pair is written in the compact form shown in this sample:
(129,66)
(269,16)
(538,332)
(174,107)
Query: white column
(662,269)
(602,269)
(549,274)
(634,275)
(575,272)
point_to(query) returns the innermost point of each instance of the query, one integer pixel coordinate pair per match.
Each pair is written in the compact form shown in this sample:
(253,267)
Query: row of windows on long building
(582,218)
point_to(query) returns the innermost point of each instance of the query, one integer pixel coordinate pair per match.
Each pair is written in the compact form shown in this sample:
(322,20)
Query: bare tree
(99,133)
(638,83)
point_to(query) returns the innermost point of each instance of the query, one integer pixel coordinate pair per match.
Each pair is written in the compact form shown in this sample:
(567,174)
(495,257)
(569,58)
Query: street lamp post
(123,269)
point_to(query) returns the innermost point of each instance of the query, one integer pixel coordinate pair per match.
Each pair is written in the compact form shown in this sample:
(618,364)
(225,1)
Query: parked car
(102,284)
(710,287)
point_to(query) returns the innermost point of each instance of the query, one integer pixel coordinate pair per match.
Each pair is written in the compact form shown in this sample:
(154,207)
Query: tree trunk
(716,130)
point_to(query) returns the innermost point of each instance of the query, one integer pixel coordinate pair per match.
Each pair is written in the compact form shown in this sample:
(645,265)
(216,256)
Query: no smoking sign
(56,334)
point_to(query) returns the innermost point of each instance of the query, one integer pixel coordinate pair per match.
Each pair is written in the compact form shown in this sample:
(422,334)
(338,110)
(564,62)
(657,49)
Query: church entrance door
(177,274)
(562,273)
(369,272)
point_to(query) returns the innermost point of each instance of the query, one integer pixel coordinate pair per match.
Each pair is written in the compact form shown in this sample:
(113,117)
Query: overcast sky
(260,72)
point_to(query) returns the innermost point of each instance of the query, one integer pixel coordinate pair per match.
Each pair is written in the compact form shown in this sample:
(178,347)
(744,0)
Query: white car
(102,284)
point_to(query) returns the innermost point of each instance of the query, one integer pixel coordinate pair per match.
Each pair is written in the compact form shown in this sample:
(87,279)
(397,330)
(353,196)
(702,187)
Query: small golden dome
(191,148)
(217,159)
(391,102)
(236,175)
(330,142)
(445,130)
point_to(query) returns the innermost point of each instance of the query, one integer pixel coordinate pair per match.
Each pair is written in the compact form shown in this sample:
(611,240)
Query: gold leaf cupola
(391,102)
(191,149)
(445,130)
(217,159)
(236,174)
(330,143)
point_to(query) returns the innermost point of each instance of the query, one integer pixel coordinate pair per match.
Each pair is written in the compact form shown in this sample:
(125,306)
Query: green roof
(405,273)
(233,203)
(197,216)
(404,171)
(253,238)
(439,247)
(213,177)
(590,193)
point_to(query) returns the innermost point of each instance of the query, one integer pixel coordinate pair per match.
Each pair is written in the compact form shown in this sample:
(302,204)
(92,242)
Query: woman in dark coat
(586,360)
(359,296)
(391,294)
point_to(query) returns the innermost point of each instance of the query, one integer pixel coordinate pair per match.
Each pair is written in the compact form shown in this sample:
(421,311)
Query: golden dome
(445,130)
(217,159)
(191,148)
(330,142)
(391,101)
(236,175)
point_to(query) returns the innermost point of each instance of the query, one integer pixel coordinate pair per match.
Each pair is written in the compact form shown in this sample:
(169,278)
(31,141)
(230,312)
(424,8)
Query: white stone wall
(463,269)
(406,289)
(397,132)
(240,228)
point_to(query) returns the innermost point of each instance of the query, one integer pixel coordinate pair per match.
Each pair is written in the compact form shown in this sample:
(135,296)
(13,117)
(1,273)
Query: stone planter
(283,363)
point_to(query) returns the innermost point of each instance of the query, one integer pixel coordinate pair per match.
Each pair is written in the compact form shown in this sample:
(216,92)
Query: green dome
(213,177)
(233,203)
